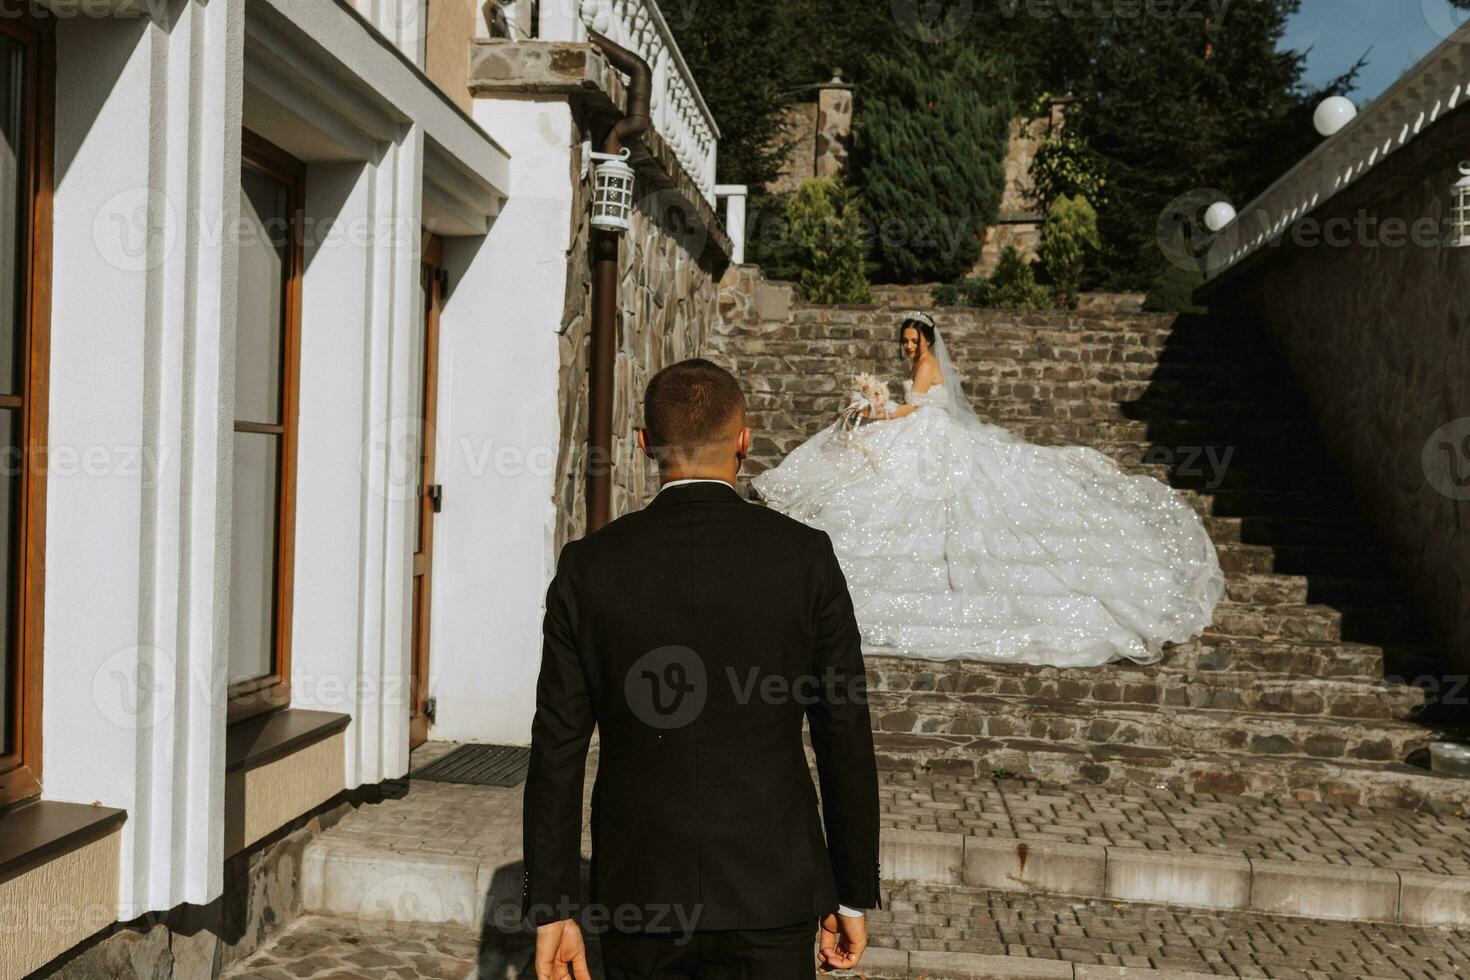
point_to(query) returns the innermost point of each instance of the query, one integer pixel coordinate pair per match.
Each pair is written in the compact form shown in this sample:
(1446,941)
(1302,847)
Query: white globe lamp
(1218,215)
(1333,113)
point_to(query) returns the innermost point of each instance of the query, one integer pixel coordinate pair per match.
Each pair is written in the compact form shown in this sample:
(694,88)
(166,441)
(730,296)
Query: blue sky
(1399,32)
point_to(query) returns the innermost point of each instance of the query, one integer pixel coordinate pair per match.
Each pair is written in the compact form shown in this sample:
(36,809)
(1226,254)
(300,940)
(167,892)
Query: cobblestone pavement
(441,818)
(447,818)
(1282,830)
(1230,944)
(318,948)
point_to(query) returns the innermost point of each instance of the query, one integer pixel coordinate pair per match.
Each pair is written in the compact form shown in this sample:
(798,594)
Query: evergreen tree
(735,52)
(1069,241)
(1170,105)
(826,228)
(929,154)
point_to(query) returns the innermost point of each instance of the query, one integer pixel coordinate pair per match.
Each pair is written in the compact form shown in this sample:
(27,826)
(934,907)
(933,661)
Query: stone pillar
(834,123)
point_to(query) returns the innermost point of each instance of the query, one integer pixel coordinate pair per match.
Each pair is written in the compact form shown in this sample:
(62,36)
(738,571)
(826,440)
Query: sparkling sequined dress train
(959,539)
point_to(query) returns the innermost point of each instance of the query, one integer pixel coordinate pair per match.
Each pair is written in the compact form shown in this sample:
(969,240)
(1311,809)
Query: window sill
(268,737)
(35,832)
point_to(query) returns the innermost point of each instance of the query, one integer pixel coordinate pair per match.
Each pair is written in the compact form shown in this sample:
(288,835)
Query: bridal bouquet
(870,396)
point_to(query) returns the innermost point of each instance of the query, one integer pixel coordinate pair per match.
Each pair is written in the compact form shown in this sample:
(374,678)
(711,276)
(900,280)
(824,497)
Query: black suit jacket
(696,635)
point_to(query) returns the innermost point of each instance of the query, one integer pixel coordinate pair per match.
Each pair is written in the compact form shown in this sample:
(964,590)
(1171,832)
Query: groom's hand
(844,937)
(560,952)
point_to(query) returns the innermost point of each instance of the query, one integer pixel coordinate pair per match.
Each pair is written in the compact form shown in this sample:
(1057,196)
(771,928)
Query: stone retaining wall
(668,297)
(795,360)
(1376,333)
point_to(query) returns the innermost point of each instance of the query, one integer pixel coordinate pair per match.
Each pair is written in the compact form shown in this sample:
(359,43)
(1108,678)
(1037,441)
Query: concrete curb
(1183,878)
(896,964)
(352,880)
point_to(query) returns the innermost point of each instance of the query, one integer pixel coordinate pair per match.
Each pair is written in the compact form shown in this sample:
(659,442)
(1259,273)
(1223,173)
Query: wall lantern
(612,197)
(1460,209)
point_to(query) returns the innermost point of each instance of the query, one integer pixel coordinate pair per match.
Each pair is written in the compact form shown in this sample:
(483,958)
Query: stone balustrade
(1422,97)
(680,115)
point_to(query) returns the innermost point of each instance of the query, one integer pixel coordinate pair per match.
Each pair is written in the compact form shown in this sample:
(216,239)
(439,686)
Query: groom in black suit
(695,636)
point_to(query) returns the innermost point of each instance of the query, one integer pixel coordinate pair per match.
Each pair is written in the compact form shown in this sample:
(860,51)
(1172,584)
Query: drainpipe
(605,290)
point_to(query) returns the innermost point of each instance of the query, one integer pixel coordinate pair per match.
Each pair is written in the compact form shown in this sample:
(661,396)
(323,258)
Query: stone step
(939,932)
(1301,589)
(1303,658)
(1278,465)
(1004,323)
(1185,731)
(1198,471)
(1185,849)
(1162,685)
(1229,407)
(1038,374)
(1287,436)
(1226,773)
(1268,503)
(1331,532)
(1369,624)
(1309,560)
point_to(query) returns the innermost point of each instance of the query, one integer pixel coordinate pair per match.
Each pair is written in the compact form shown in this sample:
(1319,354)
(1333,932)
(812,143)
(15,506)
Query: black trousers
(787,953)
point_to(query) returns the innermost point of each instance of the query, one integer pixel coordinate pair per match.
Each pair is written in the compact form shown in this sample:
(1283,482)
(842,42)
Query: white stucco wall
(143,307)
(498,434)
(142,407)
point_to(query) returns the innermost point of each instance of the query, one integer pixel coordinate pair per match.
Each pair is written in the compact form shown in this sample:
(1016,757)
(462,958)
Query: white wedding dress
(961,540)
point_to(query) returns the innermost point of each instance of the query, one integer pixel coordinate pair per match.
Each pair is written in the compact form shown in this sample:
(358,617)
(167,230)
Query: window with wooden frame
(26,90)
(264,507)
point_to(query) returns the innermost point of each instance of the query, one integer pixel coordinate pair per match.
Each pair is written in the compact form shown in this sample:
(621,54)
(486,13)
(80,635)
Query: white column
(148,141)
(354,544)
(735,196)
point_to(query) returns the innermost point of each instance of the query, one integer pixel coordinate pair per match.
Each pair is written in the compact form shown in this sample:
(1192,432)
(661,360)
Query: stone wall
(1019,223)
(1377,332)
(668,297)
(795,360)
(262,895)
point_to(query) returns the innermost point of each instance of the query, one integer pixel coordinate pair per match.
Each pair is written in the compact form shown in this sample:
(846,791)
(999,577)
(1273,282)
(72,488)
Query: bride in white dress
(960,539)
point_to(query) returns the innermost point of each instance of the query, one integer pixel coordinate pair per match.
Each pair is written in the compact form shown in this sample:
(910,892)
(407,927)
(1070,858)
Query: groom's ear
(643,444)
(742,448)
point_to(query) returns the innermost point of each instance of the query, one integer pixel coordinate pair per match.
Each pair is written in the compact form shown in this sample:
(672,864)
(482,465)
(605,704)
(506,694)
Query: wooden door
(426,372)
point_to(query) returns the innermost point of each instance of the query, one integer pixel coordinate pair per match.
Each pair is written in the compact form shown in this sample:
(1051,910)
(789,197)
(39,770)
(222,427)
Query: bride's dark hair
(924,326)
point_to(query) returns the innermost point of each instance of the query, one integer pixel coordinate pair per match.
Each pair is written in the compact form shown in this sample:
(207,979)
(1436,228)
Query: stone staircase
(1317,680)
(1254,805)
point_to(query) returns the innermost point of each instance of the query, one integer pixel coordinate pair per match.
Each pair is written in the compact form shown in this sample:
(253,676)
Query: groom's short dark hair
(689,405)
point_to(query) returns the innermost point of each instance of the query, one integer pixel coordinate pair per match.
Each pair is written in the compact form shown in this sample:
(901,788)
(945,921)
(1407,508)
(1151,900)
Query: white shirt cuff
(843,910)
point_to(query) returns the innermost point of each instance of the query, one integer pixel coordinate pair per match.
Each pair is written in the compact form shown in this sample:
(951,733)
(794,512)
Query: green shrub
(932,128)
(1012,286)
(1065,165)
(826,227)
(1068,239)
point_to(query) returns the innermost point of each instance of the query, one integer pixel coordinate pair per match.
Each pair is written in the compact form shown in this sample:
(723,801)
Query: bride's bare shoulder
(927,373)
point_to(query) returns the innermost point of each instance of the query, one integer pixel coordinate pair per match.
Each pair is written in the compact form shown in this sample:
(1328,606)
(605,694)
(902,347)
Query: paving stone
(319,948)
(1176,942)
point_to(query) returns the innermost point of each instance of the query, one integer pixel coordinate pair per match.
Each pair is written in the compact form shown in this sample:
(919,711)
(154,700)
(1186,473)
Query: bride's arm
(924,379)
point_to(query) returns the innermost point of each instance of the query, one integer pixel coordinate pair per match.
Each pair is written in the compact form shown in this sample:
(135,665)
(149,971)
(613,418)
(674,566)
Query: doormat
(479,765)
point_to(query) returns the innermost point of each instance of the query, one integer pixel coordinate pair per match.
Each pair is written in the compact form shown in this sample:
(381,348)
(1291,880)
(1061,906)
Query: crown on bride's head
(922,317)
